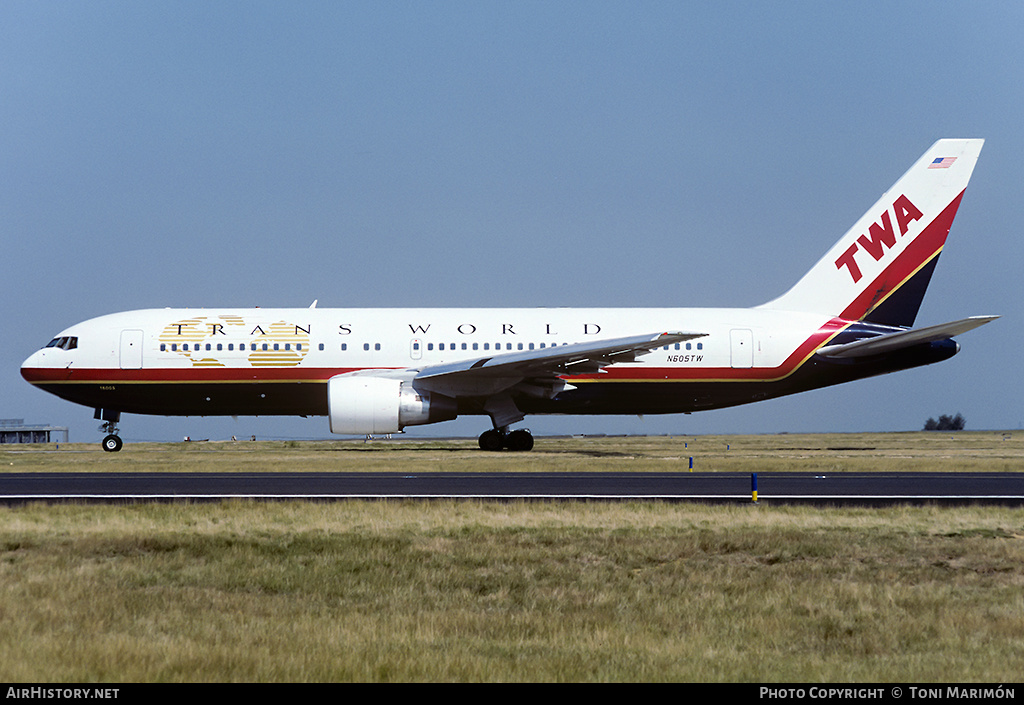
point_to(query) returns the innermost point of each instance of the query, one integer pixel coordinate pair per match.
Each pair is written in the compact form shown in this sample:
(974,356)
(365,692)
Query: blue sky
(499,154)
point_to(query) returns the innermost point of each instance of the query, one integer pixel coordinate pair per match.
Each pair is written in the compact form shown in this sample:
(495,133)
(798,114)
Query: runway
(840,489)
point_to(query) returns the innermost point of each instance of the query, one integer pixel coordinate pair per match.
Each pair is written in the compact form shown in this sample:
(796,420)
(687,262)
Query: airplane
(377,371)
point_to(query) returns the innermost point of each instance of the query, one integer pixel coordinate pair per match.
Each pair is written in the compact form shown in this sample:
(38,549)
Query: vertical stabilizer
(879,270)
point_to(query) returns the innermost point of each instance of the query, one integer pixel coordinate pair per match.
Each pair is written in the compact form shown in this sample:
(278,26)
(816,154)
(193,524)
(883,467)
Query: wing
(494,379)
(904,338)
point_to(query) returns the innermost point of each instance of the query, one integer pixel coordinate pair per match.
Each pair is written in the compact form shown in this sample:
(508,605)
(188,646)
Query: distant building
(15,431)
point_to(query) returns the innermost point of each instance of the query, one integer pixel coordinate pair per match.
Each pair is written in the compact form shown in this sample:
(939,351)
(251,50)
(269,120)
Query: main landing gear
(111,443)
(502,438)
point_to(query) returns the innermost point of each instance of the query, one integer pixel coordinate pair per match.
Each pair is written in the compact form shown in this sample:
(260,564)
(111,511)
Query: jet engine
(369,405)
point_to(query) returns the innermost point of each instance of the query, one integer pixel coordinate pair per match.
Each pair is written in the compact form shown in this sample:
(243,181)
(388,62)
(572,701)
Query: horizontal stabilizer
(904,338)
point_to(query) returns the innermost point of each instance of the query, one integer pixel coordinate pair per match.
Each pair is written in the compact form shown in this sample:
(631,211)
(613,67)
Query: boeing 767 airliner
(377,371)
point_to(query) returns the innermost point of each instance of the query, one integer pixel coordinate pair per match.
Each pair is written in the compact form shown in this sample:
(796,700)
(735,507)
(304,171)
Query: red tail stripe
(918,253)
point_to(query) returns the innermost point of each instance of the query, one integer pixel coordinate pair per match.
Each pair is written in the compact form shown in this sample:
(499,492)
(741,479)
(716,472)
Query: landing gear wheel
(496,439)
(519,440)
(112,443)
(492,440)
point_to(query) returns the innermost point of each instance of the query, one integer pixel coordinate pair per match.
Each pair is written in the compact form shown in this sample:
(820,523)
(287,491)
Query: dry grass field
(477,591)
(977,451)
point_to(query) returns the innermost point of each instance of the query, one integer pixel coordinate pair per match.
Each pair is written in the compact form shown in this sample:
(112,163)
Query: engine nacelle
(369,405)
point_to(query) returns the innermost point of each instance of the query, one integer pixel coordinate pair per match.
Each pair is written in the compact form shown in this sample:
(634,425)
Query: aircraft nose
(32,362)
(29,363)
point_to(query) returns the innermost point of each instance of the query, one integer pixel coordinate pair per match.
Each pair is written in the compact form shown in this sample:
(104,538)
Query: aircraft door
(741,342)
(131,349)
(416,349)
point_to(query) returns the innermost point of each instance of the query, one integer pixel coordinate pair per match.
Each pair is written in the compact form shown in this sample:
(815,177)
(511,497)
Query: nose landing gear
(111,443)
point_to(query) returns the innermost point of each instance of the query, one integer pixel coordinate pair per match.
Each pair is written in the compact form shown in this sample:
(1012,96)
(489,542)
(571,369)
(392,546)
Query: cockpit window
(67,342)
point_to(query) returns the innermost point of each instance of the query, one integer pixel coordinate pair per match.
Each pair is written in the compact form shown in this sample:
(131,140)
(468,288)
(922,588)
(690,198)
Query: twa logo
(881,236)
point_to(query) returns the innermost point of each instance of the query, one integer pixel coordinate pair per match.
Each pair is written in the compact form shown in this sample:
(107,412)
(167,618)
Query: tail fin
(879,270)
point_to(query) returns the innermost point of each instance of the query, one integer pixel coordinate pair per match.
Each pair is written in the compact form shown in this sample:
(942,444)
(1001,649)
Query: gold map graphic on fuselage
(210,342)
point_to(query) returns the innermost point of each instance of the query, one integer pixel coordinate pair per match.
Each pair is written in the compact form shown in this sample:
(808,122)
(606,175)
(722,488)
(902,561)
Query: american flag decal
(942,163)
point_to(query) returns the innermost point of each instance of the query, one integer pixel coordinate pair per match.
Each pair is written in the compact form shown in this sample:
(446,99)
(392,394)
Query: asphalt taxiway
(870,489)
